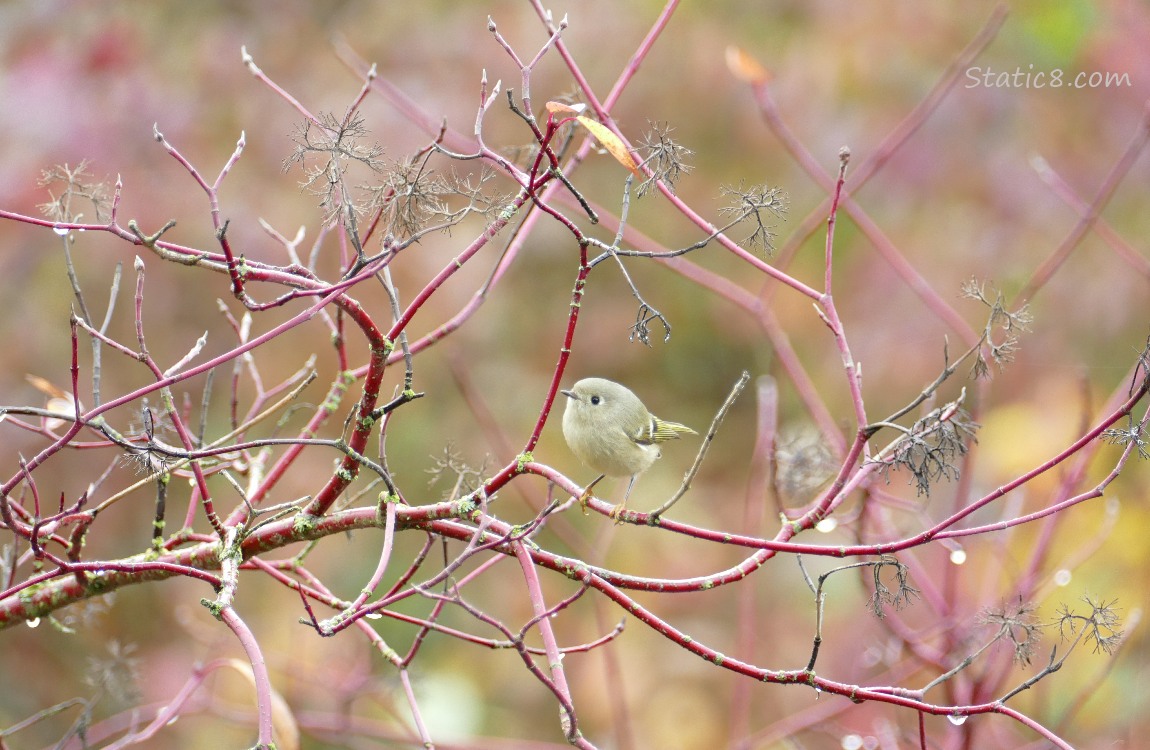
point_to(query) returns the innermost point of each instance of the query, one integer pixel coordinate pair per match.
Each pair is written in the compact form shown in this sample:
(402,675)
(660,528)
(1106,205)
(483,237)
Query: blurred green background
(960,198)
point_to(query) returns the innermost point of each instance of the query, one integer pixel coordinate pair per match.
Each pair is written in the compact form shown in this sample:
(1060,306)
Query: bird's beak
(570,394)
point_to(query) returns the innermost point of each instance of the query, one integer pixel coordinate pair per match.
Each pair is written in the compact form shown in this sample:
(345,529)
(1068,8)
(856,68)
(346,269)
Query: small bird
(609,429)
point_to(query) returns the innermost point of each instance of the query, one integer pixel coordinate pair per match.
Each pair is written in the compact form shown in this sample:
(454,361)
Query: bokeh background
(960,198)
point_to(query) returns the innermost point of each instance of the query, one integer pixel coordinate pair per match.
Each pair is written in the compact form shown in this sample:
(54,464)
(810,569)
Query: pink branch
(260,676)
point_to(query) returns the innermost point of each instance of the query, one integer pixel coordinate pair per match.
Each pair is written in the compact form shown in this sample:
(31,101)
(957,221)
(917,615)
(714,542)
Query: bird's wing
(658,431)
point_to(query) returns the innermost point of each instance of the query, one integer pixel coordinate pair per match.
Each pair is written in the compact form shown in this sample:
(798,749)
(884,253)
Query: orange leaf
(46,387)
(746,68)
(59,401)
(558,108)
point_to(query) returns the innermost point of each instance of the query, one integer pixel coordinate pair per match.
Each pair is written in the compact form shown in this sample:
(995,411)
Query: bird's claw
(584,498)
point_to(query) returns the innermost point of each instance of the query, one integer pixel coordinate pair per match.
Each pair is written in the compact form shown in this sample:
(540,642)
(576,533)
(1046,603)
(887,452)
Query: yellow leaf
(601,132)
(746,68)
(611,142)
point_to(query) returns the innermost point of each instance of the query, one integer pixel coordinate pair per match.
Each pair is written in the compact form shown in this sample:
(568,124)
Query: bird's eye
(595,400)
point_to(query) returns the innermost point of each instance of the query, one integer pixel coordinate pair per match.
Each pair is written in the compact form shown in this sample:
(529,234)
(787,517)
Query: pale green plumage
(609,429)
